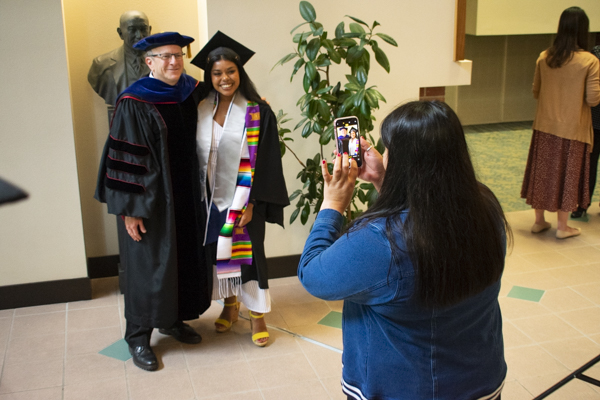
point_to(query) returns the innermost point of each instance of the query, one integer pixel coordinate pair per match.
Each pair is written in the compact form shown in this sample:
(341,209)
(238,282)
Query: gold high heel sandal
(223,325)
(259,335)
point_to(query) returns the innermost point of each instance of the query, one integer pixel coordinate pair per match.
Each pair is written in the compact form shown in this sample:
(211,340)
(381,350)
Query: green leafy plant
(323,101)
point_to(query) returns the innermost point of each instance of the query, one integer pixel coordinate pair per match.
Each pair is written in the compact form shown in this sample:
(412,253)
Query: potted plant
(316,52)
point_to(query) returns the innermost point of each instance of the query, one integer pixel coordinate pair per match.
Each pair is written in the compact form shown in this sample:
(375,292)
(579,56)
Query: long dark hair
(454,226)
(247,88)
(572,35)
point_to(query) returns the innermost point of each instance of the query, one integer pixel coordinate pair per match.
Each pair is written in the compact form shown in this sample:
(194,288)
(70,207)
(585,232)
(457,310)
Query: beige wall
(91,30)
(41,239)
(504,39)
(518,17)
(424,30)
(43,125)
(500,89)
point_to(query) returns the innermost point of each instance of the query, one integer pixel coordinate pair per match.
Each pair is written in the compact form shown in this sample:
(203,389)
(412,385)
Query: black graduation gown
(269,192)
(149,169)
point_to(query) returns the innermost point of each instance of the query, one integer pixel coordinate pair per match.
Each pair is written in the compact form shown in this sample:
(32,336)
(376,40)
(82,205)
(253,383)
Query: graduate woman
(242,182)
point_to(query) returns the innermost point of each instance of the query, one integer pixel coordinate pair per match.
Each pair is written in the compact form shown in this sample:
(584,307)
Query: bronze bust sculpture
(113,72)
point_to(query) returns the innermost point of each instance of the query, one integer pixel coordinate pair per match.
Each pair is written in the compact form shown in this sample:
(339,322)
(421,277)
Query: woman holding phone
(420,277)
(242,182)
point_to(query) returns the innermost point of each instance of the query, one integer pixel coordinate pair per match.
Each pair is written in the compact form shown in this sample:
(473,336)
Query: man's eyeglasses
(167,56)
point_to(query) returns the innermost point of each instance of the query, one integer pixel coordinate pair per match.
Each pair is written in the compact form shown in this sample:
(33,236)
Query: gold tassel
(189,51)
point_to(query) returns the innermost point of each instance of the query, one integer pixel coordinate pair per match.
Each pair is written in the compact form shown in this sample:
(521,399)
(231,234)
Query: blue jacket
(394,348)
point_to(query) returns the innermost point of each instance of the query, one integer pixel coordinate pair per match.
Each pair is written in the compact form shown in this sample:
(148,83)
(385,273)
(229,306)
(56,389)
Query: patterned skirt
(557,173)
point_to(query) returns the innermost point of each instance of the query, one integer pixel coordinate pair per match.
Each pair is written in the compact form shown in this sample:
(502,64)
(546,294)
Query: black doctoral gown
(149,169)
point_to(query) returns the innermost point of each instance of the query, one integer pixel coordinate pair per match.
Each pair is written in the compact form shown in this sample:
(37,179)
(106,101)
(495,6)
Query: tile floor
(52,352)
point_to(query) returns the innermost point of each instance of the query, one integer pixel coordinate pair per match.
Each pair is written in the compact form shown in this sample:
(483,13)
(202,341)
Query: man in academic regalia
(343,139)
(149,176)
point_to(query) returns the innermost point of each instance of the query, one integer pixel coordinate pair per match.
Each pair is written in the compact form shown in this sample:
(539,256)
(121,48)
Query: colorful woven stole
(234,247)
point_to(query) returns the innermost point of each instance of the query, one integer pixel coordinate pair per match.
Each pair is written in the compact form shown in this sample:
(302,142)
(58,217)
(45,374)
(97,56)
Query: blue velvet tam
(162,39)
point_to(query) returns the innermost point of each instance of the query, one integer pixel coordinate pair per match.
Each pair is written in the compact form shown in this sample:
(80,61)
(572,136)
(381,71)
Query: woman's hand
(246,217)
(372,169)
(134,225)
(338,188)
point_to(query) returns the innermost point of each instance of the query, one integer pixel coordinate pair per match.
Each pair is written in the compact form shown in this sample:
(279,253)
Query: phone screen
(348,138)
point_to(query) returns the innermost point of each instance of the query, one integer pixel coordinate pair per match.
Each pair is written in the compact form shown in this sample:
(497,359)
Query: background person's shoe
(144,358)
(566,234)
(579,213)
(183,333)
(538,228)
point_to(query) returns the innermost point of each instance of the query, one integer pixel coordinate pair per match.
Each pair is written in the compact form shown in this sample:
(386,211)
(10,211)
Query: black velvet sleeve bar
(130,170)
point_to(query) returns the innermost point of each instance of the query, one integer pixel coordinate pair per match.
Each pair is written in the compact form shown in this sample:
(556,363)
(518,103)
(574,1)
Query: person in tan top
(566,84)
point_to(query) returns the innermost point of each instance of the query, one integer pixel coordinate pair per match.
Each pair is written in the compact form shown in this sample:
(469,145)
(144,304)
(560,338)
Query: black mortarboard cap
(162,39)
(222,40)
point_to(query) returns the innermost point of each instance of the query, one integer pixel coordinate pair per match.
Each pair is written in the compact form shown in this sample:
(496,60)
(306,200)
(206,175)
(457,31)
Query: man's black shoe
(182,332)
(144,358)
